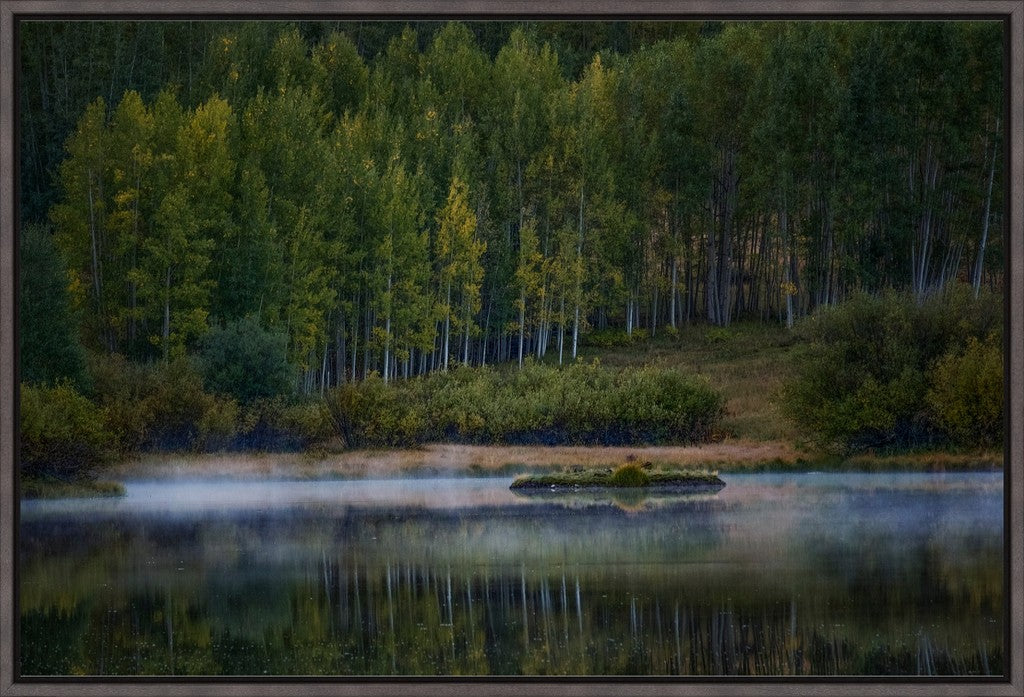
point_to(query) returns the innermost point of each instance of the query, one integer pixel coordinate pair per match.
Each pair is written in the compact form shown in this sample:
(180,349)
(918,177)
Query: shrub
(629,475)
(309,421)
(156,406)
(966,394)
(539,404)
(246,360)
(61,433)
(120,387)
(372,413)
(864,373)
(219,424)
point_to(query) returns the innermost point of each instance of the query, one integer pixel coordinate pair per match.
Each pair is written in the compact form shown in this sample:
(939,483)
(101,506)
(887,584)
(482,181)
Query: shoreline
(442,459)
(729,456)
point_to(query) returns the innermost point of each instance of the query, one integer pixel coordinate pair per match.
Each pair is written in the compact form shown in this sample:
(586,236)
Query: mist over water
(784,574)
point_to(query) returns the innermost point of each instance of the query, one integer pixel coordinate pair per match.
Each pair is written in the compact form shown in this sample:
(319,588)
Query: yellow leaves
(77,289)
(788,288)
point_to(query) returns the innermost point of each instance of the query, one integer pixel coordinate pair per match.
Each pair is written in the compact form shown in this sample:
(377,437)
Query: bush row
(134,408)
(892,372)
(580,404)
(137,408)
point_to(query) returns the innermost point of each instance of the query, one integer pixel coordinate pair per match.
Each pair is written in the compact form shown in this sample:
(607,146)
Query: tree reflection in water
(701,586)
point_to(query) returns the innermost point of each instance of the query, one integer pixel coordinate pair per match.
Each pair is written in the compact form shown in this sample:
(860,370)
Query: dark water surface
(857,574)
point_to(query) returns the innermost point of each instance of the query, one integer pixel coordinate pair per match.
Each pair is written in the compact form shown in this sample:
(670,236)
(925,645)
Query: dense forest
(392,198)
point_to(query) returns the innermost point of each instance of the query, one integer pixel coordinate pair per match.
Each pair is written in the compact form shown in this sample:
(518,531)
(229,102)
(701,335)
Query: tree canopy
(395,198)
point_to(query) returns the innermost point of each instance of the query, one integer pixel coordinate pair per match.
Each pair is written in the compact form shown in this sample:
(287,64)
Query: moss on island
(627,476)
(54,488)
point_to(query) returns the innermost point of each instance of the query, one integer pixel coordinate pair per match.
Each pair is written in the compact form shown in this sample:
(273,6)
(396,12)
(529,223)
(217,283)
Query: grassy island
(627,476)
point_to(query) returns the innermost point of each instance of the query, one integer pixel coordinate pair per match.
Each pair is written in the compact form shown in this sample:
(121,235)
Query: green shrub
(246,360)
(371,413)
(309,421)
(629,475)
(966,394)
(219,423)
(156,406)
(62,433)
(582,403)
(866,367)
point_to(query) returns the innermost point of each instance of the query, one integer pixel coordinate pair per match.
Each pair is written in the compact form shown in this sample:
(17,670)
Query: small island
(628,476)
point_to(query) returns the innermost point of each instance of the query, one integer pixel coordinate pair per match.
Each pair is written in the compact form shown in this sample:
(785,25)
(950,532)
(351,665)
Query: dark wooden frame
(1011,12)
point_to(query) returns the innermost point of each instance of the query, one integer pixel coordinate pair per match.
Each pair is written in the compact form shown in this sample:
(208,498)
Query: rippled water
(858,574)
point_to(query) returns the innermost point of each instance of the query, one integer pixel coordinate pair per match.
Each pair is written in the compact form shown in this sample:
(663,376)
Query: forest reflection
(699,586)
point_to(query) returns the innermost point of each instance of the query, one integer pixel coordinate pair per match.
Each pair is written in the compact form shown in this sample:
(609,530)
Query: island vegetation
(335,236)
(630,475)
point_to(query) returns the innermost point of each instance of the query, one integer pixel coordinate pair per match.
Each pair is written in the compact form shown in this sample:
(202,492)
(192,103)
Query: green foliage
(539,404)
(156,407)
(372,413)
(629,475)
(62,433)
(218,424)
(163,407)
(392,197)
(246,360)
(863,379)
(966,394)
(48,346)
(718,335)
(612,338)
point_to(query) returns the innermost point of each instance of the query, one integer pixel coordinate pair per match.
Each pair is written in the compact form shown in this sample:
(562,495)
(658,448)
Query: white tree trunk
(979,264)
(522,325)
(447,326)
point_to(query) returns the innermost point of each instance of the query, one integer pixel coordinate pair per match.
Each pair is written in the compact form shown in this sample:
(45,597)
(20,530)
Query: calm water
(773,575)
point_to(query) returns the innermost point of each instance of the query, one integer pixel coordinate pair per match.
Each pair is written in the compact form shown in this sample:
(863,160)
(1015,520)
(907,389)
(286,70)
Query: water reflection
(775,575)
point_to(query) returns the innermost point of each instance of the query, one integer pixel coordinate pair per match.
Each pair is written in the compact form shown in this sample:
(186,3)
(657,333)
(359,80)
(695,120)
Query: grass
(748,363)
(926,461)
(60,489)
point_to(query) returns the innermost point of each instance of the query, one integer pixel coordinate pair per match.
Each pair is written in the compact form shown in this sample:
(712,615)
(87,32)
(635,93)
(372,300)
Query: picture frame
(1011,12)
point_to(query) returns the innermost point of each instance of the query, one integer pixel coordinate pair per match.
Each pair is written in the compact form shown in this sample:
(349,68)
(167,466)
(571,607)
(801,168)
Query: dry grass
(928,461)
(455,459)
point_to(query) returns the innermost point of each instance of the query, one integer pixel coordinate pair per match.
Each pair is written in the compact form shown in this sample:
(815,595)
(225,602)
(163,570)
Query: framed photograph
(651,348)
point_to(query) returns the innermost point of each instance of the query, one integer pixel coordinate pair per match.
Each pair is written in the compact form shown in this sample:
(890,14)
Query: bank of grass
(50,488)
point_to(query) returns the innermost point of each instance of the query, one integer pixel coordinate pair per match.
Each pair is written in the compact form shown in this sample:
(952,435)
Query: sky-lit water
(773,575)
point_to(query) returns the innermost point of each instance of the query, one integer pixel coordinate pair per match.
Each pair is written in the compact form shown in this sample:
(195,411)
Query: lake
(776,574)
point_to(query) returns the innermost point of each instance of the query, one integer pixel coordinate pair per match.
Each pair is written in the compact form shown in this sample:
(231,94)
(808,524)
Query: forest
(397,199)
